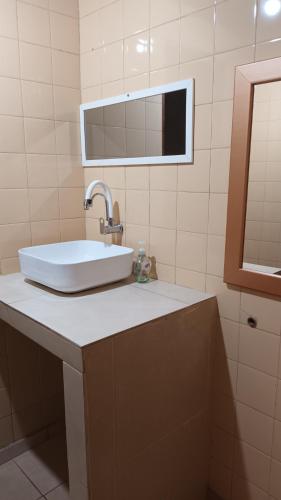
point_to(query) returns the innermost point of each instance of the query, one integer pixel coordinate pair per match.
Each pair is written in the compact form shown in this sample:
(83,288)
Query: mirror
(151,126)
(262,244)
(253,232)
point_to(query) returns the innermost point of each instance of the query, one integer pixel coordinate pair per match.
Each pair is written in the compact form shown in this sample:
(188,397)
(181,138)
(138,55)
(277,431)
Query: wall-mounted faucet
(110,228)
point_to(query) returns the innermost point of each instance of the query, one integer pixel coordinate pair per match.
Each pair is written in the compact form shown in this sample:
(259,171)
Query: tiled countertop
(64,324)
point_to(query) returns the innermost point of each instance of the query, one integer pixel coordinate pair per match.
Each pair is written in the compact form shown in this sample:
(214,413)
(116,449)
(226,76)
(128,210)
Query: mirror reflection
(147,127)
(262,244)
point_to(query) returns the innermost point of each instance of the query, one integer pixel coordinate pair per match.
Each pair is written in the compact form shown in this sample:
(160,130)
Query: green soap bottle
(142,265)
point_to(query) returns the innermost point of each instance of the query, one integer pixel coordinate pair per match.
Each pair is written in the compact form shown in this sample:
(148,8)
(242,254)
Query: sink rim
(29,252)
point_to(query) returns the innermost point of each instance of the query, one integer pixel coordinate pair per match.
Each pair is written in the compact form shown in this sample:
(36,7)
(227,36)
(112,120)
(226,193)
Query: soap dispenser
(142,265)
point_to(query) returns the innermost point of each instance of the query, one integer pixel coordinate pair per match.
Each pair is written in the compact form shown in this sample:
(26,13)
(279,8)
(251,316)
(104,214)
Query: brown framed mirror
(253,232)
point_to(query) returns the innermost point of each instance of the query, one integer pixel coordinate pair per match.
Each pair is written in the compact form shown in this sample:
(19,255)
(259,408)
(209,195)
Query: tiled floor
(40,473)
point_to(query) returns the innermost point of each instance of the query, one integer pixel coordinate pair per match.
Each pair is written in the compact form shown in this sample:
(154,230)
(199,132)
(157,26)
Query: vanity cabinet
(137,365)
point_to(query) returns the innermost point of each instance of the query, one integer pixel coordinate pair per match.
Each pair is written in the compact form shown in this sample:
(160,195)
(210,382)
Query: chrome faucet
(110,228)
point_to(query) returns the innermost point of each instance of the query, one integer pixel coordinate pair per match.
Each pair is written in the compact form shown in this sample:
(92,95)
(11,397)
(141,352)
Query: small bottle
(142,265)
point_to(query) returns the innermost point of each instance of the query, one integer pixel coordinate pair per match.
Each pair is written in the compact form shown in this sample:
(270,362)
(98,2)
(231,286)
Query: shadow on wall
(225,444)
(31,392)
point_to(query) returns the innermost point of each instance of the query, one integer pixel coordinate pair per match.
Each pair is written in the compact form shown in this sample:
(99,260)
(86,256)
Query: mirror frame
(139,94)
(246,78)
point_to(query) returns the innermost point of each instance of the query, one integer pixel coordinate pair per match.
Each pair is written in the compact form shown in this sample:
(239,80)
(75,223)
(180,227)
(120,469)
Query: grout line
(27,477)
(49,9)
(24,131)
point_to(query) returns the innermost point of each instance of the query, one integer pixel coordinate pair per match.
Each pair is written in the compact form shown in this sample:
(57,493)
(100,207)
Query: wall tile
(268,27)
(192,212)
(164,45)
(42,171)
(9,66)
(34,24)
(197,35)
(45,232)
(67,138)
(256,389)
(266,311)
(137,211)
(163,11)
(136,54)
(228,298)
(12,171)
(10,97)
(166,75)
(163,245)
(11,135)
(13,237)
(70,203)
(91,68)
(135,16)
(37,100)
(66,69)
(135,234)
(8,22)
(195,177)
(229,342)
(111,22)
(217,214)
(39,136)
(67,7)
(137,178)
(252,464)
(163,177)
(268,50)
(90,36)
(202,132)
(188,6)
(112,62)
(66,103)
(259,350)
(190,279)
(219,173)
(64,33)
(163,208)
(191,251)
(215,260)
(224,71)
(44,204)
(19,210)
(254,428)
(222,124)
(202,72)
(36,63)
(235,24)
(72,229)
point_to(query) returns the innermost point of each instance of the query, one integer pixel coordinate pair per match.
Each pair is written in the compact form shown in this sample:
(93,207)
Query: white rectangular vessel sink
(76,265)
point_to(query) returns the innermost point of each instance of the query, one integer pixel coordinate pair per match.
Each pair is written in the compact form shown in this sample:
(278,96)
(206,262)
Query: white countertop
(64,324)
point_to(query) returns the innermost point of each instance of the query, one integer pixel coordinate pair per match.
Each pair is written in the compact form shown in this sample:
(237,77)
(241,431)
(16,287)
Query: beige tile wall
(180,211)
(41,177)
(41,183)
(263,219)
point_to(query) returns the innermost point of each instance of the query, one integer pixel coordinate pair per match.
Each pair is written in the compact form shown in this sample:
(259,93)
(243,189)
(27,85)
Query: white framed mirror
(151,126)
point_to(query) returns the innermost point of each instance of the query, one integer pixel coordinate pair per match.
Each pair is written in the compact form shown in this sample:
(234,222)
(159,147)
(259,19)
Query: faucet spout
(89,196)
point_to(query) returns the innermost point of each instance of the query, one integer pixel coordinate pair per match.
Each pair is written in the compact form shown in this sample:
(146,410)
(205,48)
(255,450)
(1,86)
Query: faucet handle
(111,228)
(102,226)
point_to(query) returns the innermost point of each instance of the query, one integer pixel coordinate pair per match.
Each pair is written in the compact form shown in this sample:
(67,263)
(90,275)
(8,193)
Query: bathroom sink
(76,265)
